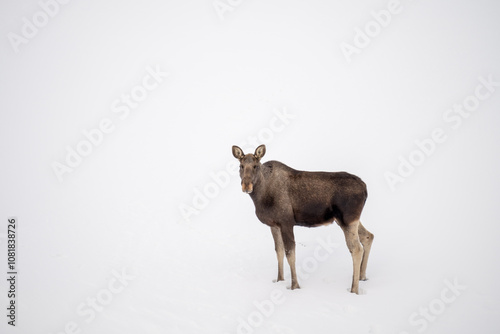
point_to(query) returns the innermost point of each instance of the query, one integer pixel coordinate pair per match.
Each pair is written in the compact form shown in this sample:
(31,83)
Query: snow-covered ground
(117,121)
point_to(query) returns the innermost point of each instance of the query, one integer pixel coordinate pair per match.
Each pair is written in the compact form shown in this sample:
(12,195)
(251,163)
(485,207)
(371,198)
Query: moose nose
(247,187)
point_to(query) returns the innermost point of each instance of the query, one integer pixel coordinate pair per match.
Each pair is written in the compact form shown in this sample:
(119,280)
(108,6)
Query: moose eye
(241,166)
(255,166)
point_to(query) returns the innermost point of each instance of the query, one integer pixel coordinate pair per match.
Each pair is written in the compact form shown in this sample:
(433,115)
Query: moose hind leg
(289,243)
(356,250)
(280,250)
(366,239)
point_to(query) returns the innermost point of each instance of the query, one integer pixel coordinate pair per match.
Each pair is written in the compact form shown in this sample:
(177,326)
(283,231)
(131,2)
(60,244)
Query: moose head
(250,167)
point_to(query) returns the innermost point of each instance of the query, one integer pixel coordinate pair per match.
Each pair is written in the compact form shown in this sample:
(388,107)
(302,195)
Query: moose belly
(313,215)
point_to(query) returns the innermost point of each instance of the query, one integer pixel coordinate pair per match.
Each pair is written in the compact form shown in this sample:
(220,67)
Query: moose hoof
(278,280)
(363,279)
(358,291)
(294,286)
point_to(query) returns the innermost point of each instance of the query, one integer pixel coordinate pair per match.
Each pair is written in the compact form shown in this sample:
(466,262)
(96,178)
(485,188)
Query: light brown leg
(290,256)
(289,243)
(366,239)
(352,241)
(280,250)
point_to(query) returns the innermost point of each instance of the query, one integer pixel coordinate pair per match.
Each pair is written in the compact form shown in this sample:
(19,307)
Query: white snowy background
(148,233)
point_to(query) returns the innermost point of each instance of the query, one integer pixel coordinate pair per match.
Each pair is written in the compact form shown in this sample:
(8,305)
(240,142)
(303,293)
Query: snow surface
(113,234)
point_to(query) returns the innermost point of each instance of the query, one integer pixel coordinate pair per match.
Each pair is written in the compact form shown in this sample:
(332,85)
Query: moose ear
(260,151)
(238,152)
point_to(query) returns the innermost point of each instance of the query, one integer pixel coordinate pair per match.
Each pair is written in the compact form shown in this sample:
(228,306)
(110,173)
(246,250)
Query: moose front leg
(280,250)
(289,243)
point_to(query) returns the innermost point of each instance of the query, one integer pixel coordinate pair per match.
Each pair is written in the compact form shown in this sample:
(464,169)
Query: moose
(285,197)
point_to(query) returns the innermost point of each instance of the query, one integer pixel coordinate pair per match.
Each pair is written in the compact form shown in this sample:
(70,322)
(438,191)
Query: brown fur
(285,197)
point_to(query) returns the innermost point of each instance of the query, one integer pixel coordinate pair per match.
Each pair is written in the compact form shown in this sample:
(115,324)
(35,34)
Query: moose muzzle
(246,186)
